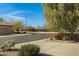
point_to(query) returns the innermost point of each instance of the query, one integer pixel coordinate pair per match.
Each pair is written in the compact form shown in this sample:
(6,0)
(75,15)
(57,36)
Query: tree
(42,28)
(16,25)
(30,28)
(71,18)
(39,27)
(53,16)
(62,16)
(1,20)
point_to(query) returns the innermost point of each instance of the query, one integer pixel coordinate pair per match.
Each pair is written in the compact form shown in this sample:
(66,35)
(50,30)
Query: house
(5,28)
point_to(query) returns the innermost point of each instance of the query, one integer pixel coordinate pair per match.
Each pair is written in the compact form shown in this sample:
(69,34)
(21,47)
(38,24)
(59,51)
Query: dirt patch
(43,54)
(9,53)
(15,53)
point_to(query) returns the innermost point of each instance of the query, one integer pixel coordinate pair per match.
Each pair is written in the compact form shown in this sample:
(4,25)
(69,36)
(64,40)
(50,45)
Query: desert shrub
(58,36)
(66,36)
(6,46)
(29,50)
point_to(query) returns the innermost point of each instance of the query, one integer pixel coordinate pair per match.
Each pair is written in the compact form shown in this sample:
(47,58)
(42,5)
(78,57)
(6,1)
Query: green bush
(29,50)
(6,46)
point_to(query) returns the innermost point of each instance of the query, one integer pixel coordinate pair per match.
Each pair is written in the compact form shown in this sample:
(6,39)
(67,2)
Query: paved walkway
(55,48)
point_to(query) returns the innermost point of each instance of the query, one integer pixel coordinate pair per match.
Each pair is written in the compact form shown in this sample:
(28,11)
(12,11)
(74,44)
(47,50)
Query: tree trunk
(71,36)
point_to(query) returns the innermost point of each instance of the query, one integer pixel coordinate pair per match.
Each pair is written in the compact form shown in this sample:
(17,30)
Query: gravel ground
(9,53)
(53,48)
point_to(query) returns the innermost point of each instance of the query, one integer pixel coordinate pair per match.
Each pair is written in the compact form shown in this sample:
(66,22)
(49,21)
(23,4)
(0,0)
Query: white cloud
(16,17)
(13,14)
(17,12)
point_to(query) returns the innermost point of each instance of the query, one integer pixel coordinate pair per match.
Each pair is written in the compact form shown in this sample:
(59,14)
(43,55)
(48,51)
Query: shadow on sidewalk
(43,54)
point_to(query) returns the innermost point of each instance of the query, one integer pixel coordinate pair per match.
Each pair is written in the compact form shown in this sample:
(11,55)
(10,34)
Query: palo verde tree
(53,14)
(62,16)
(17,25)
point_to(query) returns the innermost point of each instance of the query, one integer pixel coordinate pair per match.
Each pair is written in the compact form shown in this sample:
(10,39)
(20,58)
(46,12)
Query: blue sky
(29,13)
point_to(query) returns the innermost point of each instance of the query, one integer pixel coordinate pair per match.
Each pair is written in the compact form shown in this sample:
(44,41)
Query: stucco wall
(4,30)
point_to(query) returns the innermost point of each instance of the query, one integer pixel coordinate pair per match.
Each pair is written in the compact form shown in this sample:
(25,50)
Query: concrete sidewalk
(14,35)
(55,48)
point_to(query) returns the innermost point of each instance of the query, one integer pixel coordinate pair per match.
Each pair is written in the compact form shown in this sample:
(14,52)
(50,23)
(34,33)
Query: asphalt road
(20,38)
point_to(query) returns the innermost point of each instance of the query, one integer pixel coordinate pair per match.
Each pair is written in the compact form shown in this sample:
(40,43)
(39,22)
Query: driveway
(55,48)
